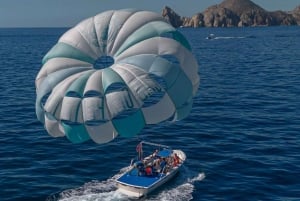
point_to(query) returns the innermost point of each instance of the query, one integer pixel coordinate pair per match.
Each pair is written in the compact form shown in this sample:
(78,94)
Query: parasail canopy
(151,76)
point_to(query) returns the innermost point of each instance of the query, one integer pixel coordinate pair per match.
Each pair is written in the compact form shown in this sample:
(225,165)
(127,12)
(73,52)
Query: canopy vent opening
(104,62)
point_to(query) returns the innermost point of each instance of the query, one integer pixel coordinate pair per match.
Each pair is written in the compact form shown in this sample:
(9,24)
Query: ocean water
(242,138)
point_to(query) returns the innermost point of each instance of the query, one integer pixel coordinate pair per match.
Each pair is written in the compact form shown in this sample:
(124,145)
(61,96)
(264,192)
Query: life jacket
(148,171)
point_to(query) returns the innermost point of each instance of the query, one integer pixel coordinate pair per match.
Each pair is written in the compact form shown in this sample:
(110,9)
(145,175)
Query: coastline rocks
(217,16)
(296,14)
(234,13)
(172,17)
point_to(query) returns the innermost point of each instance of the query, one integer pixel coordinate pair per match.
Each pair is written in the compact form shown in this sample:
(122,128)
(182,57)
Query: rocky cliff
(234,13)
(296,14)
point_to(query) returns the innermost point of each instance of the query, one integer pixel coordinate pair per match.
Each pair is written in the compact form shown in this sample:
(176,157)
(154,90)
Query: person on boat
(140,167)
(176,160)
(154,155)
(163,165)
(148,170)
(156,164)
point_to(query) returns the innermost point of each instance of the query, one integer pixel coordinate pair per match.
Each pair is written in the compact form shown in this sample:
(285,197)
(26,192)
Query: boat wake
(179,189)
(229,37)
(213,37)
(226,37)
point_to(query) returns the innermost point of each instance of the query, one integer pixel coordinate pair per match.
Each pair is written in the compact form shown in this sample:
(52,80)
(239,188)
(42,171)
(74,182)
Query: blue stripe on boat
(133,179)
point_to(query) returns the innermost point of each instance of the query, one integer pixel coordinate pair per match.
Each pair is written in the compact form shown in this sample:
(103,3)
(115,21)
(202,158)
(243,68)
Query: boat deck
(133,179)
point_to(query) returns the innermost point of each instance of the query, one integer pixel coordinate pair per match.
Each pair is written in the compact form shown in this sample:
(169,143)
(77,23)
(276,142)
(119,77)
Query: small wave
(282,35)
(200,177)
(180,193)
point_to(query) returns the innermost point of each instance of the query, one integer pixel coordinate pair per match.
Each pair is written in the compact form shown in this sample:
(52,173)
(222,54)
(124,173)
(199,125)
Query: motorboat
(144,175)
(211,36)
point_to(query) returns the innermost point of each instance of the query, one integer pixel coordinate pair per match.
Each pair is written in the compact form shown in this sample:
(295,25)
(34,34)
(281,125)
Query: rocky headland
(234,13)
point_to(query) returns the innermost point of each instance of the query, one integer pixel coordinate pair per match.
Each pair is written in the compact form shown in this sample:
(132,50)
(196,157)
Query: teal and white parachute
(152,78)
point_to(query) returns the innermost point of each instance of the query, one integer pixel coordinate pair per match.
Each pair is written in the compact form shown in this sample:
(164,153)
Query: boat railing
(155,144)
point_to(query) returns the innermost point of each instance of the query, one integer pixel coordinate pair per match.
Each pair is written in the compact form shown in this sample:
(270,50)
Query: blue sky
(66,13)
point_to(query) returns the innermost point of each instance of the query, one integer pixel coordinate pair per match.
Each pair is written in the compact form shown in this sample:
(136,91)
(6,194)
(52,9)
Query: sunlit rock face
(233,13)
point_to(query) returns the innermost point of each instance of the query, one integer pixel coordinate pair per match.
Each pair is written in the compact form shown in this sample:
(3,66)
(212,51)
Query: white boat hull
(139,191)
(136,186)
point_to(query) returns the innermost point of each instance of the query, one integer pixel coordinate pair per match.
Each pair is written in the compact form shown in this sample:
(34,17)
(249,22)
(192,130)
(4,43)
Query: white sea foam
(226,37)
(200,177)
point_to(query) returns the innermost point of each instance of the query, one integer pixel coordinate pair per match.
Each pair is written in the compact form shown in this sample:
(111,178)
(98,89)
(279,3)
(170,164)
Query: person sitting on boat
(148,170)
(140,167)
(133,162)
(156,164)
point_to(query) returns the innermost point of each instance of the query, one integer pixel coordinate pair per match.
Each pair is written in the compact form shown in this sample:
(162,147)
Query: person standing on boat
(176,160)
(163,165)
(139,149)
(155,153)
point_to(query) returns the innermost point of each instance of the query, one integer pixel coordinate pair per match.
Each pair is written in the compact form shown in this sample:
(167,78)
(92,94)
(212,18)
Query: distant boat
(148,174)
(211,36)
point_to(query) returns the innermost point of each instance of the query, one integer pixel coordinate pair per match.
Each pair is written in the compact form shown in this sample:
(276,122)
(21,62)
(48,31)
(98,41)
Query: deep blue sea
(242,138)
